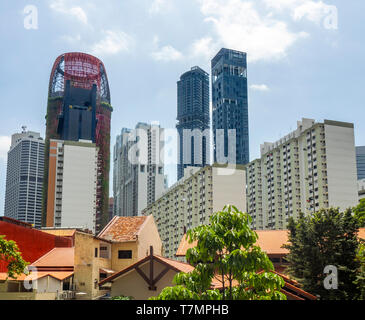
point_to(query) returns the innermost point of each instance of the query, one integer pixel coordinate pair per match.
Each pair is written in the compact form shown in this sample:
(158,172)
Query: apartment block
(138,169)
(360,162)
(72,185)
(193,199)
(311,168)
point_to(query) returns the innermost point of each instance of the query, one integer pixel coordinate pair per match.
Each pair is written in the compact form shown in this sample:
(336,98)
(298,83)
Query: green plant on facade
(226,254)
(327,237)
(9,253)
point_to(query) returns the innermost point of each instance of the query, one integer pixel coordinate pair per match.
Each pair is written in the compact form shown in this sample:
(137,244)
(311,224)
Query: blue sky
(305,59)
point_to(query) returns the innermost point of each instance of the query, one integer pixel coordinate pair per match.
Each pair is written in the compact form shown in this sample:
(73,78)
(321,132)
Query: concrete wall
(132,284)
(341,166)
(79,187)
(149,236)
(87,266)
(120,264)
(229,189)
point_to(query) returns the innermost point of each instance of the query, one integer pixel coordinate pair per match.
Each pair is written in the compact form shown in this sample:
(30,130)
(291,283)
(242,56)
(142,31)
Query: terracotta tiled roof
(362,233)
(38,275)
(121,229)
(270,241)
(180,266)
(184,246)
(57,257)
(61,232)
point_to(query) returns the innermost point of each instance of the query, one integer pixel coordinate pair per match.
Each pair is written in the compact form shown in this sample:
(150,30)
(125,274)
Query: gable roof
(177,266)
(123,229)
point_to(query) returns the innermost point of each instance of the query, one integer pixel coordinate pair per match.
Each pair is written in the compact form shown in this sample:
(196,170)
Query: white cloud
(240,26)
(5,143)
(259,87)
(112,43)
(166,54)
(314,11)
(71,39)
(63,7)
(158,5)
(204,47)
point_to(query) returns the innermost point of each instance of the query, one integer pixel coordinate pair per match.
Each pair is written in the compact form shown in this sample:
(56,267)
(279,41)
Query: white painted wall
(341,166)
(229,189)
(79,187)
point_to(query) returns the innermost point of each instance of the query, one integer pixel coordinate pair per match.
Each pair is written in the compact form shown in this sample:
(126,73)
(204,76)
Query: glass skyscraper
(360,162)
(193,120)
(230,106)
(24,178)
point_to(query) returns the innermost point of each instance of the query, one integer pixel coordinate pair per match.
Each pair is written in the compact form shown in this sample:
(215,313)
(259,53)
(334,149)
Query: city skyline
(293,79)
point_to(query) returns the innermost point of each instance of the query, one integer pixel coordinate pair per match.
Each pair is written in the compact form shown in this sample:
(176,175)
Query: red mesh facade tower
(83,71)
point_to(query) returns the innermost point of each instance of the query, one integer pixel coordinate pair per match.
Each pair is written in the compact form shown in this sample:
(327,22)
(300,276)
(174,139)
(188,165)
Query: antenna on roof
(24,128)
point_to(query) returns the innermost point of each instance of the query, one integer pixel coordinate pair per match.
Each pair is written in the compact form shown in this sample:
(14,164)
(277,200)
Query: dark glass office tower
(193,120)
(230,105)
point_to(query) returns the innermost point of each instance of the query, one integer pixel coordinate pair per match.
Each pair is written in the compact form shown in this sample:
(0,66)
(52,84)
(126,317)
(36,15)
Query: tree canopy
(327,237)
(359,212)
(226,256)
(9,252)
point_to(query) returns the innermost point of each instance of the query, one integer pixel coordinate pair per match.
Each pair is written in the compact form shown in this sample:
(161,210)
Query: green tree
(360,278)
(226,254)
(9,252)
(359,212)
(327,237)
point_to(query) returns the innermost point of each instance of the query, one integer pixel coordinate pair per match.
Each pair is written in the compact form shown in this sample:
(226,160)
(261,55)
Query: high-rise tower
(193,120)
(230,105)
(138,168)
(79,109)
(24,178)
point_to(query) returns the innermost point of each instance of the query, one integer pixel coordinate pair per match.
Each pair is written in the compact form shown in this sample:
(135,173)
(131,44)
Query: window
(142,168)
(125,254)
(96,252)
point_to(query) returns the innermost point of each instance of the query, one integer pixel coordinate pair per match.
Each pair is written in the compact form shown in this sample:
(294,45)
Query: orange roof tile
(361,234)
(270,241)
(121,229)
(37,275)
(57,257)
(61,232)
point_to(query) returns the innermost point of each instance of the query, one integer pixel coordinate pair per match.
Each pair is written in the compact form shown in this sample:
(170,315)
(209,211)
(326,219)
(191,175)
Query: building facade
(230,107)
(193,118)
(79,109)
(193,199)
(24,178)
(138,169)
(311,168)
(72,185)
(360,162)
